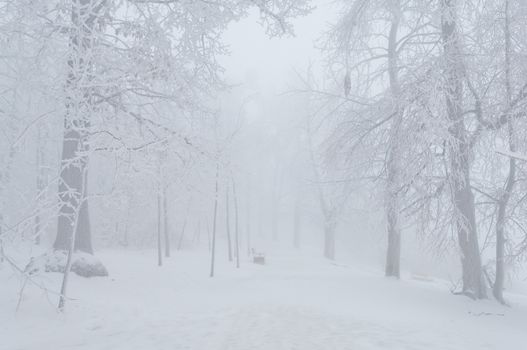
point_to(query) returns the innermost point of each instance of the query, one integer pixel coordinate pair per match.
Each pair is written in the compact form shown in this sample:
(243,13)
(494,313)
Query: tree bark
(248,221)
(296,228)
(182,234)
(228,222)
(236,226)
(213,244)
(330,226)
(459,162)
(67,268)
(71,249)
(74,162)
(165,223)
(40,185)
(503,202)
(159,227)
(392,201)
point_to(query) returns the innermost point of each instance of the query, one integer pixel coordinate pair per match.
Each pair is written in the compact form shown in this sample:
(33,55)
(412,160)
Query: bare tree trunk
(126,221)
(84,16)
(227,205)
(71,250)
(260,217)
(274,218)
(497,289)
(197,233)
(248,221)
(159,228)
(40,185)
(328,208)
(392,202)
(275,205)
(296,228)
(209,240)
(236,226)
(165,225)
(182,235)
(330,226)
(213,247)
(459,148)
(70,179)
(500,231)
(393,254)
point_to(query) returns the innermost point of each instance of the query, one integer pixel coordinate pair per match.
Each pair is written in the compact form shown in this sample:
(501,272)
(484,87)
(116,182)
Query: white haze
(250,167)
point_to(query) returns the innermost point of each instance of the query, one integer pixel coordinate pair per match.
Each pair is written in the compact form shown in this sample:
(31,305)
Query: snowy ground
(293,302)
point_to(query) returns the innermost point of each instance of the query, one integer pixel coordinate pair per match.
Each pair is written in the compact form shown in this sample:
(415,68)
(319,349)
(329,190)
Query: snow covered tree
(375,47)
(124,59)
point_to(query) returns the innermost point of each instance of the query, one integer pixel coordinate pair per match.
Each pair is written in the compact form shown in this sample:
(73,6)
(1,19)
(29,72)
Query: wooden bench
(258,258)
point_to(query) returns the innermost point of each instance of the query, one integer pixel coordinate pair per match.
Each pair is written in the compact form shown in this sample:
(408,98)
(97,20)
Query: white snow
(294,302)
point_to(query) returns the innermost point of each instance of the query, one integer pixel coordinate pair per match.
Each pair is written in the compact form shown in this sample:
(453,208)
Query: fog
(278,174)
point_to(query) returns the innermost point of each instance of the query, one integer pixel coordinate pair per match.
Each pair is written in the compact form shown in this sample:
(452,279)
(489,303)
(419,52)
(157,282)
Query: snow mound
(83,264)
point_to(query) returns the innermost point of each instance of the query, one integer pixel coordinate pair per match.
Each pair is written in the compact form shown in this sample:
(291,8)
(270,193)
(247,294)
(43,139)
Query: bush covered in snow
(83,264)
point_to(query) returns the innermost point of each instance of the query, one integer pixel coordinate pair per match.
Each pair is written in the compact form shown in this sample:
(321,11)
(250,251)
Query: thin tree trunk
(126,222)
(227,205)
(260,217)
(248,221)
(329,237)
(5,176)
(197,233)
(459,148)
(392,202)
(236,226)
(296,224)
(274,219)
(213,248)
(71,250)
(328,208)
(165,225)
(209,241)
(274,208)
(159,228)
(182,235)
(497,289)
(40,185)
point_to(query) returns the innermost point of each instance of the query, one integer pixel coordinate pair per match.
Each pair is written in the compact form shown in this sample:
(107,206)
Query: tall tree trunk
(274,219)
(392,201)
(213,245)
(503,202)
(71,249)
(260,217)
(85,16)
(275,205)
(296,224)
(330,226)
(71,186)
(459,152)
(126,222)
(165,223)
(40,184)
(248,221)
(197,233)
(236,226)
(159,226)
(182,234)
(228,222)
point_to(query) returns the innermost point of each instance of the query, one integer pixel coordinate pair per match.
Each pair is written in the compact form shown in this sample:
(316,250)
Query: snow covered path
(293,302)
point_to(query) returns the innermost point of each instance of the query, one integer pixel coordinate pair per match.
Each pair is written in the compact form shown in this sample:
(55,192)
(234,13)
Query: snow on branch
(515,155)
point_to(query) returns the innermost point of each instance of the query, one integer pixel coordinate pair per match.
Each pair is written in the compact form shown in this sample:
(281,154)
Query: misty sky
(173,177)
(271,61)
